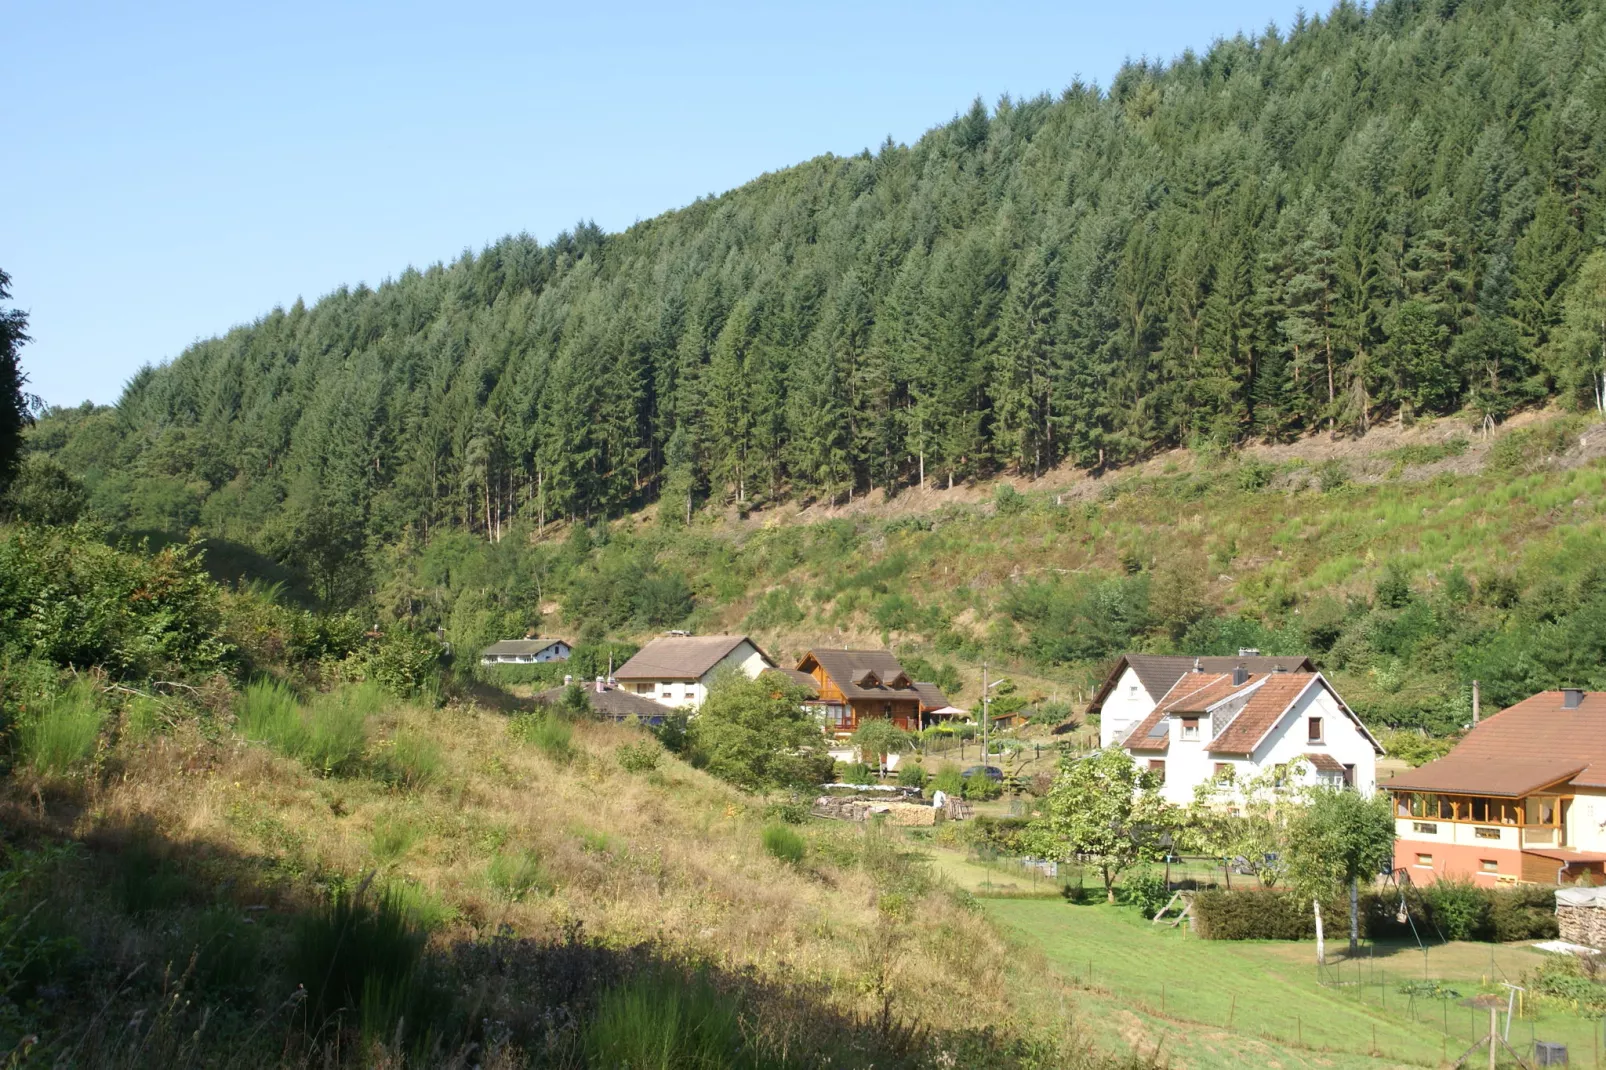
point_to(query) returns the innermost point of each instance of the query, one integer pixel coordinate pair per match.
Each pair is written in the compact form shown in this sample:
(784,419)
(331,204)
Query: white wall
(744,658)
(1188,764)
(1126,705)
(1585,820)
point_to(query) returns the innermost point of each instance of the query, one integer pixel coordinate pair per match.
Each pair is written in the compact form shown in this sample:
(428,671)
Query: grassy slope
(1264,550)
(1279,1013)
(670,856)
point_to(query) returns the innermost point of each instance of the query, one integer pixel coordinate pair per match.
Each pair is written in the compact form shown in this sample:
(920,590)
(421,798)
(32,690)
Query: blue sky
(174,170)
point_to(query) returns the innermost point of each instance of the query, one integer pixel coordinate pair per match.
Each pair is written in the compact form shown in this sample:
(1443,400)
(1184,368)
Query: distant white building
(525,652)
(675,670)
(1138,681)
(1241,724)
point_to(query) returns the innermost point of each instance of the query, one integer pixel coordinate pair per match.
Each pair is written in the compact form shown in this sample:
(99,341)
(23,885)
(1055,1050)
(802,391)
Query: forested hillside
(1364,216)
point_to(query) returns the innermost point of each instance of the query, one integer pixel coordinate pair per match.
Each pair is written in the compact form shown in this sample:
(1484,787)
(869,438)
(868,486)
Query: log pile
(899,813)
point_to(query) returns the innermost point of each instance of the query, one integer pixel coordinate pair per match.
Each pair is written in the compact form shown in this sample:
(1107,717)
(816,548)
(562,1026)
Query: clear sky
(172,170)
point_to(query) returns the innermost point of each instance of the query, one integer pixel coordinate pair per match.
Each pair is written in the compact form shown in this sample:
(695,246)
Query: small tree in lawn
(878,738)
(757,735)
(1104,809)
(1333,842)
(1248,818)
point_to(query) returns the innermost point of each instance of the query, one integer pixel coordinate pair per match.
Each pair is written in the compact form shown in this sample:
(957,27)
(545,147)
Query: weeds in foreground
(328,736)
(61,735)
(392,838)
(548,732)
(663,1023)
(516,874)
(784,842)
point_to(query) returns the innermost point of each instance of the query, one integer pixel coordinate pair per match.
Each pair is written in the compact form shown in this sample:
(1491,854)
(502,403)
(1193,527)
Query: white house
(525,652)
(675,670)
(1241,724)
(1138,681)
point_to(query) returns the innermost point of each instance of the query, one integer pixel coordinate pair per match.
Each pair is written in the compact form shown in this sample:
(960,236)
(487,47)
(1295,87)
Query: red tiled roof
(1158,672)
(1531,745)
(1141,738)
(1265,705)
(1324,763)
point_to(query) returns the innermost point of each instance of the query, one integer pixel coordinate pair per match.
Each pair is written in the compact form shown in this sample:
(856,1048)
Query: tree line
(1367,216)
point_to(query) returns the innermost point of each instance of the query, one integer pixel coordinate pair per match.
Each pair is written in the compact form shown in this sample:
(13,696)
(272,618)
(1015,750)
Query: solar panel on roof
(1160,728)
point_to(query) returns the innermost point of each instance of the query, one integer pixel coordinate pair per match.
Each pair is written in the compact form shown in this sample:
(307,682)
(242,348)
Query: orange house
(855,686)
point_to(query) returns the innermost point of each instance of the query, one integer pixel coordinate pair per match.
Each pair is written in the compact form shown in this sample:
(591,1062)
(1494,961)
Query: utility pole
(986,699)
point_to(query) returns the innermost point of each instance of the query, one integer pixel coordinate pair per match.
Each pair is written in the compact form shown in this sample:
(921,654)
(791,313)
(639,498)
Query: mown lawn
(1220,1004)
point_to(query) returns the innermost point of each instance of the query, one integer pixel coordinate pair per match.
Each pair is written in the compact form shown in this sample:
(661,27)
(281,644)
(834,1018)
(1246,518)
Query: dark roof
(681,657)
(863,673)
(1158,672)
(521,646)
(1532,745)
(931,696)
(801,679)
(613,702)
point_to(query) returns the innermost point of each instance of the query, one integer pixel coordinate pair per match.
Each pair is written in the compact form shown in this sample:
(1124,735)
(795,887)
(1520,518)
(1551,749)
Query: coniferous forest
(1362,217)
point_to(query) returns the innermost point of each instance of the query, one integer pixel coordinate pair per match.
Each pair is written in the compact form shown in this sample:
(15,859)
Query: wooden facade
(884,691)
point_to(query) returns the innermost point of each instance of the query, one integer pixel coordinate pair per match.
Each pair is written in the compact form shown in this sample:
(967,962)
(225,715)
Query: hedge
(1458,911)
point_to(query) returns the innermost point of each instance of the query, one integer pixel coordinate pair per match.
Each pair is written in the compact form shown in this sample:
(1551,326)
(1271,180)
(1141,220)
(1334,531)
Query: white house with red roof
(1136,683)
(1522,797)
(1240,724)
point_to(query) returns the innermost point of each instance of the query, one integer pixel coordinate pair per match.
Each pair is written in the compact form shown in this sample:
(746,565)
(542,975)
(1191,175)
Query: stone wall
(899,813)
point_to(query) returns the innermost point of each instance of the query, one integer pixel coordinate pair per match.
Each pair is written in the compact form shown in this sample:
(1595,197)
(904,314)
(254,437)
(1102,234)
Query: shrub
(547,731)
(911,775)
(362,953)
(1331,475)
(1147,891)
(1252,914)
(392,838)
(948,780)
(659,1022)
(1523,912)
(61,734)
(854,773)
(639,757)
(142,718)
(980,787)
(516,874)
(267,712)
(337,727)
(784,842)
(793,811)
(1459,908)
(1007,501)
(415,760)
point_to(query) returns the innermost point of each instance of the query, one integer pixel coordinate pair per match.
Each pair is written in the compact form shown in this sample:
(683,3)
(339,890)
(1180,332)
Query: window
(1489,865)
(643,689)
(1425,860)
(1480,811)
(1223,771)
(886,708)
(1314,727)
(1486,833)
(1190,728)
(1157,767)
(1427,828)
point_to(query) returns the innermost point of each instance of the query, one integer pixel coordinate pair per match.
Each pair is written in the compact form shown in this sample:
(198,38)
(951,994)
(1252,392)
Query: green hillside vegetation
(1367,216)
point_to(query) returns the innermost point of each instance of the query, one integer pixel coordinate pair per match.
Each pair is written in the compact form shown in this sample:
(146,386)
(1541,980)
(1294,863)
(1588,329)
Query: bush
(1007,501)
(854,773)
(655,1023)
(392,838)
(415,760)
(547,731)
(1459,908)
(981,787)
(267,712)
(784,842)
(948,780)
(360,953)
(1147,891)
(337,727)
(911,775)
(1523,912)
(516,874)
(639,757)
(1252,914)
(60,734)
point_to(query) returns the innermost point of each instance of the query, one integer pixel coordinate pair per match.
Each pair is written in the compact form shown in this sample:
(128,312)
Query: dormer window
(1190,728)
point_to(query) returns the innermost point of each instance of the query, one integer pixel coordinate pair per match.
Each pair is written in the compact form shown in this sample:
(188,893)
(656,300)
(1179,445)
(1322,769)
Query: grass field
(1219,1004)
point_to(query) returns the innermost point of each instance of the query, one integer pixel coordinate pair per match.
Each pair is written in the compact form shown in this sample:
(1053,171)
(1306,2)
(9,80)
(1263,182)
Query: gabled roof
(612,702)
(801,679)
(1265,698)
(682,657)
(931,697)
(1324,763)
(1532,745)
(1158,672)
(847,668)
(523,647)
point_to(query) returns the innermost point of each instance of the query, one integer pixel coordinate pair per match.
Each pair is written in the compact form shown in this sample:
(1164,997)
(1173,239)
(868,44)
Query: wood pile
(899,813)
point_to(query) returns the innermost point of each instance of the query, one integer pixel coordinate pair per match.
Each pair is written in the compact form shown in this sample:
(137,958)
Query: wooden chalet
(855,686)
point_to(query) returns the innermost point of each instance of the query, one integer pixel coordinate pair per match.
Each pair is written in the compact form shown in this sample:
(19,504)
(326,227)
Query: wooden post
(1232,1009)
(1494,1032)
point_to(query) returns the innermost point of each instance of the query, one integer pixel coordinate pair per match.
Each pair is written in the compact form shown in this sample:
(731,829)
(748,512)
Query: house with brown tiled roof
(854,686)
(1240,724)
(1521,798)
(1136,683)
(675,670)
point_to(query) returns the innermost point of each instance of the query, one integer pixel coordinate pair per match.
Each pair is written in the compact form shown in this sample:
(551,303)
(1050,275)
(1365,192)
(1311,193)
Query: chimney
(1572,698)
(1196,666)
(1240,675)
(1477,702)
(600,688)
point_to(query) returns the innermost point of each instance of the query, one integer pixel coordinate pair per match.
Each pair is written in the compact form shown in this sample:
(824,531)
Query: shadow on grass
(126,947)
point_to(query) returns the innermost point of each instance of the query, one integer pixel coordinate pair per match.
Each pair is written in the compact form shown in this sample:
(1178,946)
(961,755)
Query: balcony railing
(1541,836)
